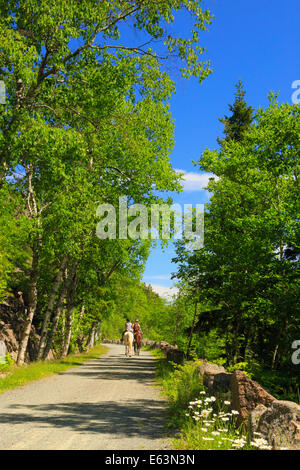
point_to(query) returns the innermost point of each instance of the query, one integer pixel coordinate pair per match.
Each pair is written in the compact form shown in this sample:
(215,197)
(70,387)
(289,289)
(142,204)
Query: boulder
(155,345)
(220,384)
(254,417)
(207,373)
(280,425)
(246,395)
(9,338)
(206,368)
(175,355)
(164,346)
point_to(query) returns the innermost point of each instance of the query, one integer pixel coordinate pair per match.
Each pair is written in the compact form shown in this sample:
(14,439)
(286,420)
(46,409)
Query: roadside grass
(199,421)
(19,376)
(180,384)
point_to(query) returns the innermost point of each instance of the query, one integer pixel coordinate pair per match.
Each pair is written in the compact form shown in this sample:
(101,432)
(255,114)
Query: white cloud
(159,278)
(165,292)
(195,181)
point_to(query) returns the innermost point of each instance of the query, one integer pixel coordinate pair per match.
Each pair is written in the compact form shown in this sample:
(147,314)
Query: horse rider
(128,327)
(136,327)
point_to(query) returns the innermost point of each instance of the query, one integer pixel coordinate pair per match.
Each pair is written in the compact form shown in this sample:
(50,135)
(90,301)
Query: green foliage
(283,384)
(210,346)
(14,254)
(180,384)
(236,126)
(243,366)
(7,363)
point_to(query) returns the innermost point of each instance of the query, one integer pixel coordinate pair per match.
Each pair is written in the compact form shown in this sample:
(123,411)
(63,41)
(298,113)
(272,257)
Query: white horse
(128,341)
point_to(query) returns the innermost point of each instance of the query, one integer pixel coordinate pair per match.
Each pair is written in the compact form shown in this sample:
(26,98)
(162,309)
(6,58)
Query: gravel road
(105,404)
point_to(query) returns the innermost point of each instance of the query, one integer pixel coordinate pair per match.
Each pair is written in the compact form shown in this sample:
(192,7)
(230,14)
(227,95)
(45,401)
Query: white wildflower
(205,413)
(239,443)
(259,442)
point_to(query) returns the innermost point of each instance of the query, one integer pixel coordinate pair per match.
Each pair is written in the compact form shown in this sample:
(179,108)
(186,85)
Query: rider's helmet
(136,319)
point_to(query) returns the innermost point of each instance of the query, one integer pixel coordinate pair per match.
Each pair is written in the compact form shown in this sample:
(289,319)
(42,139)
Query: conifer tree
(242,116)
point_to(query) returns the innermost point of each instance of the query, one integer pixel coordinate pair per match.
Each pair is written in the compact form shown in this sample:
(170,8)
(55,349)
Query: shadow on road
(123,419)
(139,368)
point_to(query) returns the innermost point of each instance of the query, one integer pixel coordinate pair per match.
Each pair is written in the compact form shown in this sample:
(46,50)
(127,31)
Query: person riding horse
(136,327)
(137,334)
(128,327)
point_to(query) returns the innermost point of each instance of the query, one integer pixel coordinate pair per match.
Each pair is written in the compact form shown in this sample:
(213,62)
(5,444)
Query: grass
(19,376)
(180,384)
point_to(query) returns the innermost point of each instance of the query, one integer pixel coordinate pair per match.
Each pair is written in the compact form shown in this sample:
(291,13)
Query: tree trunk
(192,330)
(67,288)
(91,339)
(81,313)
(68,331)
(69,316)
(33,294)
(50,307)
(59,308)
(274,356)
(98,331)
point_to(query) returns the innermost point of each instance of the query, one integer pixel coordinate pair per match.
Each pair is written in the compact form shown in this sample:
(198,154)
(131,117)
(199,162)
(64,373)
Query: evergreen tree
(242,116)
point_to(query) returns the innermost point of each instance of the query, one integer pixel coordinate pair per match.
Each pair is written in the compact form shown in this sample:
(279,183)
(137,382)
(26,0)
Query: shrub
(6,364)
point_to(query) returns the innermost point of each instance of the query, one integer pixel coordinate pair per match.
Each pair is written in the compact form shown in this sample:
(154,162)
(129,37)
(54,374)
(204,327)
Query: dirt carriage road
(108,403)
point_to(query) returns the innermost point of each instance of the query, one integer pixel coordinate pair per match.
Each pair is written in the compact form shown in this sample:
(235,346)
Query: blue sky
(255,40)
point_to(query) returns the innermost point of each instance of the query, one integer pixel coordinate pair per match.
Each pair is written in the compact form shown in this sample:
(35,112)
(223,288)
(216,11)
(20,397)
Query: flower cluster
(216,422)
(260,443)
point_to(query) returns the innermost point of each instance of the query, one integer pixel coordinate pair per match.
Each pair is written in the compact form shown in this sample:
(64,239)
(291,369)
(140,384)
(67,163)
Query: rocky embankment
(11,326)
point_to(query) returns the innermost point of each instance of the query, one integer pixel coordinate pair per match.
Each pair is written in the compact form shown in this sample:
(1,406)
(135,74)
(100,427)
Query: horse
(137,343)
(128,341)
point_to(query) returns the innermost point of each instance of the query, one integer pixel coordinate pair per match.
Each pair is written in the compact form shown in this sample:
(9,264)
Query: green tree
(242,115)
